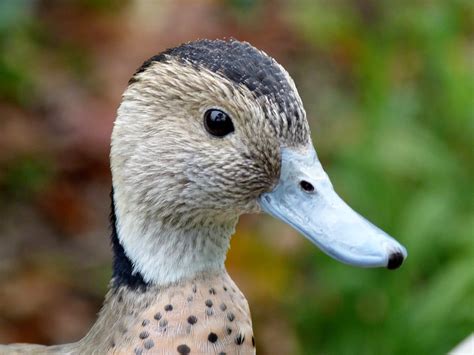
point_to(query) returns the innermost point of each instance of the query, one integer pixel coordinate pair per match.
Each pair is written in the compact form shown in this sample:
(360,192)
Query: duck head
(208,131)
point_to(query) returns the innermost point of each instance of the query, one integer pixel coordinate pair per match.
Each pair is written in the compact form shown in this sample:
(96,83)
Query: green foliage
(16,51)
(408,165)
(24,176)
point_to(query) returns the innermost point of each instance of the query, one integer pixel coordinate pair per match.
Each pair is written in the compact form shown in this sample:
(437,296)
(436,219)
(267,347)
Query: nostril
(395,260)
(306,186)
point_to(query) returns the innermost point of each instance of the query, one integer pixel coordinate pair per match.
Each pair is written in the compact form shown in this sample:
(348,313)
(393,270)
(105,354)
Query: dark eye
(218,123)
(306,186)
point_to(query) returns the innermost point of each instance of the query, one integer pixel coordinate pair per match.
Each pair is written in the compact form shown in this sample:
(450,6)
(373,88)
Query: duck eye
(218,123)
(306,186)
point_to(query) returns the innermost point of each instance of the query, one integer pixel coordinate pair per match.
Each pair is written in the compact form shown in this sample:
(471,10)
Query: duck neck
(153,253)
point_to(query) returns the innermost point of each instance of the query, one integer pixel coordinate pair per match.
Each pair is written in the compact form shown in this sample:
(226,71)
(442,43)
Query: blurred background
(389,91)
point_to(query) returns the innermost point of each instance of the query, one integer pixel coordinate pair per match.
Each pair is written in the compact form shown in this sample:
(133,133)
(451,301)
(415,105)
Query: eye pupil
(218,123)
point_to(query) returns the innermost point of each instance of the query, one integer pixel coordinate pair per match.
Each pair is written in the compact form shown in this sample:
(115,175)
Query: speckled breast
(208,315)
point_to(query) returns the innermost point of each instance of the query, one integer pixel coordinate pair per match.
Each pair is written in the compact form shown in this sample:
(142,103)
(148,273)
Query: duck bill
(305,199)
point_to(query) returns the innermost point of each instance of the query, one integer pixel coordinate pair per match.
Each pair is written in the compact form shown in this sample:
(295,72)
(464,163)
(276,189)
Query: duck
(205,132)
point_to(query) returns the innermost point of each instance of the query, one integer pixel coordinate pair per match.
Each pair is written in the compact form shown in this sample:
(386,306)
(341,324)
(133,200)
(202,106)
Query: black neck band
(122,266)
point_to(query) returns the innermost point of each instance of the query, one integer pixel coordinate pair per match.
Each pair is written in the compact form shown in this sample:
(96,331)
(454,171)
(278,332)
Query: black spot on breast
(192,320)
(230,316)
(138,351)
(239,339)
(183,349)
(208,303)
(225,289)
(209,312)
(190,298)
(212,337)
(229,331)
(144,335)
(122,328)
(168,308)
(212,291)
(223,307)
(145,322)
(163,323)
(158,316)
(194,288)
(148,344)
